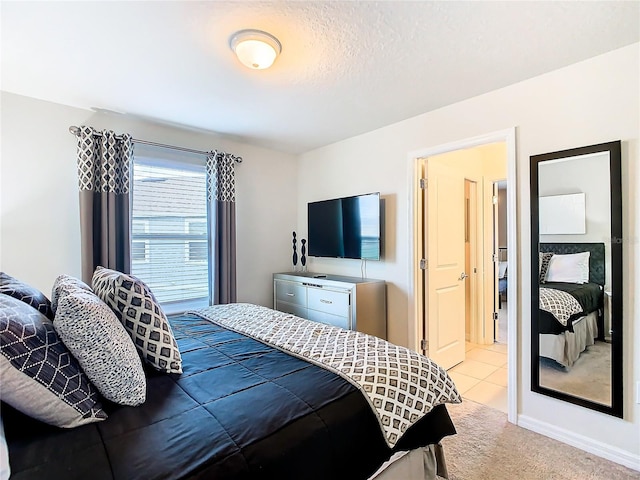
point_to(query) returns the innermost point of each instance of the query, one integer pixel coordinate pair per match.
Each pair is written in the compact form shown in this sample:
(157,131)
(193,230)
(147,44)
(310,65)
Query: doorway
(501,326)
(422,333)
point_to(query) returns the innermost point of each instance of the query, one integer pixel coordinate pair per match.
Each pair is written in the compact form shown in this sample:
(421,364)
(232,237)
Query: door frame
(475,249)
(415,286)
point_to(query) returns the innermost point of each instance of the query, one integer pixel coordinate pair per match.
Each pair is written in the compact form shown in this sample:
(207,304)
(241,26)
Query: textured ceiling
(346,67)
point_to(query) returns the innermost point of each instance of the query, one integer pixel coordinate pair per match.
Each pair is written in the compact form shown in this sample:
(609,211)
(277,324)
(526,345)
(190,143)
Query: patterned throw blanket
(400,385)
(560,304)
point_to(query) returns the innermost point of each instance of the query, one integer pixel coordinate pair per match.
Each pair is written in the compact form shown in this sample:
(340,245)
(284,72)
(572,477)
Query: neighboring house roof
(150,197)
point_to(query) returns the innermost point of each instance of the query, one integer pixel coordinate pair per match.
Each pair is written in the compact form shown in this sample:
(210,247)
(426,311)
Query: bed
(252,404)
(571,310)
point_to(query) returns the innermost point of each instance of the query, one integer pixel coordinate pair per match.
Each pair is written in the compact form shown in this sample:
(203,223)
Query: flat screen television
(347,227)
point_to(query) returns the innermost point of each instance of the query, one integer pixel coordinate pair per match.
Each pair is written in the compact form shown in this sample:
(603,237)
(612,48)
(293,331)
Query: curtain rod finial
(74,130)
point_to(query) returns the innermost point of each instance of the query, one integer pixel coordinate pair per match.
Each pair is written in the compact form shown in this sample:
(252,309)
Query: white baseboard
(587,444)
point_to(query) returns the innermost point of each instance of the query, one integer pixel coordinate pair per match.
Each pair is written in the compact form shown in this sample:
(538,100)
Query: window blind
(169,231)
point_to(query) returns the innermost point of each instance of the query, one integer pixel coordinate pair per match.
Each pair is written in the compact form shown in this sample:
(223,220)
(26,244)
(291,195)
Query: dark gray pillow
(26,293)
(140,313)
(93,334)
(40,377)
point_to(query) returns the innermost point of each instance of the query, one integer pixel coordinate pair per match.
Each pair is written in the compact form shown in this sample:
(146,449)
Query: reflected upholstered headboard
(596,257)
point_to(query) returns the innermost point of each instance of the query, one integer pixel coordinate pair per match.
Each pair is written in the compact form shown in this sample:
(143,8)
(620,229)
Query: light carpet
(590,376)
(488,447)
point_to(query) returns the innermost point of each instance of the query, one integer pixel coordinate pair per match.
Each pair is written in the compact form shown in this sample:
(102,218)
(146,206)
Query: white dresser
(349,302)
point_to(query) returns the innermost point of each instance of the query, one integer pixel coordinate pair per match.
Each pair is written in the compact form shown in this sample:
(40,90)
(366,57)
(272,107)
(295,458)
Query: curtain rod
(76,131)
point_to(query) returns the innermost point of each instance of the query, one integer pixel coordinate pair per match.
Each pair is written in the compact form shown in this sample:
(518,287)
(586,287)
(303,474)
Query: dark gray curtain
(221,186)
(104,166)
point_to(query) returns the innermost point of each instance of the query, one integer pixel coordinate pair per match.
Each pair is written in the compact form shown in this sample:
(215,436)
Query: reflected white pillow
(570,268)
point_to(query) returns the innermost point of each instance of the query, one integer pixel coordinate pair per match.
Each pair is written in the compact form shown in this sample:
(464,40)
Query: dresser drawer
(329,301)
(297,310)
(323,317)
(289,292)
(347,302)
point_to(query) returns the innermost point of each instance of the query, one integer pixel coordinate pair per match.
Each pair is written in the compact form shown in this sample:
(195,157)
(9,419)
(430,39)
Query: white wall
(39,218)
(591,102)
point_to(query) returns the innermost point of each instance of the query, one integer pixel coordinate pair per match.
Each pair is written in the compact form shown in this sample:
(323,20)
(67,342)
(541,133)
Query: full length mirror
(576,279)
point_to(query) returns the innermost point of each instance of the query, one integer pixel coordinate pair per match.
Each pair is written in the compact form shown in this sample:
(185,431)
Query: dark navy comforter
(240,410)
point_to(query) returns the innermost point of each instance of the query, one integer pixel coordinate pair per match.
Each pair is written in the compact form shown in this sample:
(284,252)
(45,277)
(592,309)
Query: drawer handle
(291,294)
(325,301)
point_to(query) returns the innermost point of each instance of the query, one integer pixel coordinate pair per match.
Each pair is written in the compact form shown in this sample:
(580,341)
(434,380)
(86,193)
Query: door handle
(463,276)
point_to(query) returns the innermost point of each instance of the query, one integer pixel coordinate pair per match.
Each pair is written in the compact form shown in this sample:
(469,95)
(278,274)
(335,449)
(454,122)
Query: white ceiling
(346,67)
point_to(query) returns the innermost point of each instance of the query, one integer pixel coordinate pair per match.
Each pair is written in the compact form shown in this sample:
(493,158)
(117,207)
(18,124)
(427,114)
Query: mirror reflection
(575,209)
(575,343)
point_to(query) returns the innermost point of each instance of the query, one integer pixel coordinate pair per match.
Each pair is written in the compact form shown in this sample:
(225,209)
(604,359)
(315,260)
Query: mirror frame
(614,149)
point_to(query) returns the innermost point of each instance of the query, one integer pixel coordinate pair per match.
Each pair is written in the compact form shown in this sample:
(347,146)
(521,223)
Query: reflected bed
(565,333)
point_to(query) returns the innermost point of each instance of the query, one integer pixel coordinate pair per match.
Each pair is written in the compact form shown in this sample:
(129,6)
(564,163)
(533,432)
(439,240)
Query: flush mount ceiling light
(255,49)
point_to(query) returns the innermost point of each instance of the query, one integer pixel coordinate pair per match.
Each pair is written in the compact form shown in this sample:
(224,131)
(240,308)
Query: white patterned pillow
(543,265)
(64,284)
(140,313)
(91,331)
(40,377)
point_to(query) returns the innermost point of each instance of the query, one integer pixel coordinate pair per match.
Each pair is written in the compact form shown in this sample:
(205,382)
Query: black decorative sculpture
(295,253)
(303,251)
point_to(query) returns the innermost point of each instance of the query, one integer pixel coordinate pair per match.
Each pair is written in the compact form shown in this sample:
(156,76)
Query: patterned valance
(221,181)
(104,161)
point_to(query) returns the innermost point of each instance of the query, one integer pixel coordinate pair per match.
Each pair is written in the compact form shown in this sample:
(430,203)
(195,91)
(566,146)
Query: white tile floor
(482,377)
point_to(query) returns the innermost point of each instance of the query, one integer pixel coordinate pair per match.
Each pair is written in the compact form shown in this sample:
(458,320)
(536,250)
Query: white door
(445,255)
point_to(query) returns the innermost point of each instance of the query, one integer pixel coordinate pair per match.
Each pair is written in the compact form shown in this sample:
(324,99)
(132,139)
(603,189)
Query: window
(169,234)
(139,246)
(197,246)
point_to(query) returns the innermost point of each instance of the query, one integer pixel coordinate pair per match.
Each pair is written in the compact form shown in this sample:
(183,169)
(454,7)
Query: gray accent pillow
(40,377)
(544,258)
(64,284)
(17,289)
(93,334)
(140,313)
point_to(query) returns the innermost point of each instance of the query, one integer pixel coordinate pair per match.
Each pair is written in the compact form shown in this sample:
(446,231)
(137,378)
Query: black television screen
(347,227)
